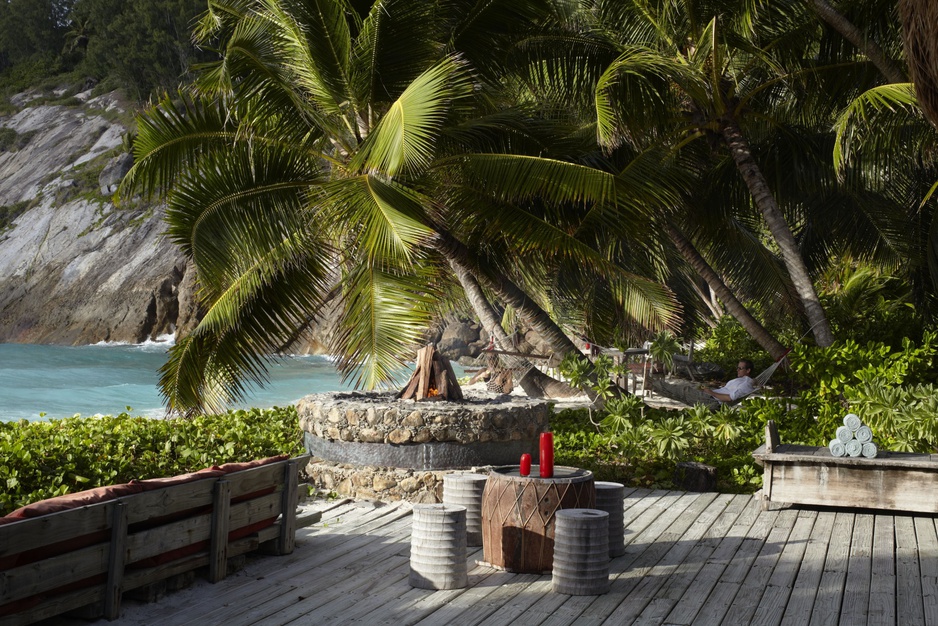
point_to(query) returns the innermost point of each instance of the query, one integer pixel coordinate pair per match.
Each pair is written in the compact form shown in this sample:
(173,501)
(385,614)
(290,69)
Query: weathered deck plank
(801,602)
(690,559)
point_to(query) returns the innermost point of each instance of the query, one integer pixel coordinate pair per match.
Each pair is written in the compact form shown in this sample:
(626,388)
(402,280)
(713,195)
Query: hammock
(505,368)
(761,380)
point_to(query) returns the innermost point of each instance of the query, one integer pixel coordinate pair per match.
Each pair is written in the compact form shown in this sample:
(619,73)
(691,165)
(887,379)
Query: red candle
(525,464)
(547,455)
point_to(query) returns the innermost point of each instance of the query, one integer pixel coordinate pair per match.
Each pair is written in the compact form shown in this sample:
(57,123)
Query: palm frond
(872,115)
(405,138)
(385,312)
(384,220)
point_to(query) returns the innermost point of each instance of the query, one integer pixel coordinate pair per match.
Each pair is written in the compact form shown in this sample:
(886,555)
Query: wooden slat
(731,579)
(909,602)
(700,590)
(191,530)
(28,534)
(830,591)
(856,604)
(56,606)
(685,536)
(158,503)
(861,486)
(28,580)
(288,509)
(218,537)
(290,598)
(781,582)
(334,539)
(115,570)
(928,563)
(801,602)
(883,574)
(680,581)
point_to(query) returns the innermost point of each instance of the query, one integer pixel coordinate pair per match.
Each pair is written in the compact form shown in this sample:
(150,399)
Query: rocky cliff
(74,268)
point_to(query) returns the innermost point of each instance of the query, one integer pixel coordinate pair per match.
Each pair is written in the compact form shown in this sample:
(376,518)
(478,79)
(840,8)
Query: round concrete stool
(438,547)
(466,490)
(609,498)
(581,552)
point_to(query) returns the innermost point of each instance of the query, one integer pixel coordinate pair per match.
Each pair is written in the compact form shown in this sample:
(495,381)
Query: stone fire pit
(373,445)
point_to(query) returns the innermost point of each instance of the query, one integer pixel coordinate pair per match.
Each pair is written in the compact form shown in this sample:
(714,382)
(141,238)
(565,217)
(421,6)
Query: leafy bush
(49,458)
(728,343)
(893,391)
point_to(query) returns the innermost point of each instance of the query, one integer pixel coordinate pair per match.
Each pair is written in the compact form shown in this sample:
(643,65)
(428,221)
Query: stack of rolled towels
(854,438)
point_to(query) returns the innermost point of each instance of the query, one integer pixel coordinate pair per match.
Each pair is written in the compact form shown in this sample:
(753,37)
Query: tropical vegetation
(755,175)
(44,459)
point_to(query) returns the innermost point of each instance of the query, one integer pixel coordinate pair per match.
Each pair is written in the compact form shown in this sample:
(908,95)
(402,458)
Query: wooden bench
(87,557)
(893,481)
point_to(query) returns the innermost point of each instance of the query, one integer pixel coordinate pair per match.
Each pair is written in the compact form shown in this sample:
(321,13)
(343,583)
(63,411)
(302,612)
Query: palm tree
(920,35)
(722,75)
(322,155)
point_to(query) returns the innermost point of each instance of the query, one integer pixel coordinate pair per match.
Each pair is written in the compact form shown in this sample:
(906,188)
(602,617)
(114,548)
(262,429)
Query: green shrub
(730,342)
(49,458)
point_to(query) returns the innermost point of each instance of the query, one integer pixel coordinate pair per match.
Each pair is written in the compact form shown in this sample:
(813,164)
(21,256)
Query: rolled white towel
(852,421)
(844,434)
(864,434)
(836,446)
(870,450)
(854,448)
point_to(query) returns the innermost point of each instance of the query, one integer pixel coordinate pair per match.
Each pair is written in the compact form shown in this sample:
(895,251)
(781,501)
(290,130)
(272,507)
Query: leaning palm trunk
(920,39)
(756,330)
(509,293)
(765,201)
(864,44)
(535,383)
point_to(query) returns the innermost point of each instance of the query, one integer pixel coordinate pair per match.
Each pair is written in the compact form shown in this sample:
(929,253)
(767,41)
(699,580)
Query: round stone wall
(375,446)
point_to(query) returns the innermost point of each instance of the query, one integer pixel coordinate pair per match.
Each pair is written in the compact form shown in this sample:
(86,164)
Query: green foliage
(49,458)
(639,446)
(9,212)
(729,342)
(11,141)
(863,303)
(663,347)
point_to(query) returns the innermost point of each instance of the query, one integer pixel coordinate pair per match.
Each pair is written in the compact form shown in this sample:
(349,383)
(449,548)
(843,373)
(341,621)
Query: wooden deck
(690,559)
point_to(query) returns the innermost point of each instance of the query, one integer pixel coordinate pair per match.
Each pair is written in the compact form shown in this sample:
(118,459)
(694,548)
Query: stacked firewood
(854,438)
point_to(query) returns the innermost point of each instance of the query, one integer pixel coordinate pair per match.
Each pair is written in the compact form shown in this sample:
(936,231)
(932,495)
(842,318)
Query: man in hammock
(733,390)
(742,385)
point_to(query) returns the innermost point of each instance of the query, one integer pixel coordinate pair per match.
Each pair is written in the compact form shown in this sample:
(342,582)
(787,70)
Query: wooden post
(771,444)
(218,546)
(287,539)
(771,437)
(115,565)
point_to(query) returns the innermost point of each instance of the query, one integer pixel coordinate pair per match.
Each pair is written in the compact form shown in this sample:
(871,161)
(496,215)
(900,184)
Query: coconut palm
(322,156)
(920,36)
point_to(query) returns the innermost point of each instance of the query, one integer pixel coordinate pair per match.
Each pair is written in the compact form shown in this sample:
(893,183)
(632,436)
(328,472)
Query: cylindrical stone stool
(609,498)
(581,552)
(438,547)
(466,490)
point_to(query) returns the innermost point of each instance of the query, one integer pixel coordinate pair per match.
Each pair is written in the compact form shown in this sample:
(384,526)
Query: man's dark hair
(747,363)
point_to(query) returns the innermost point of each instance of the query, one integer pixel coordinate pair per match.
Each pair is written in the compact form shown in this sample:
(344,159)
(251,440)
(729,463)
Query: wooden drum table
(518,515)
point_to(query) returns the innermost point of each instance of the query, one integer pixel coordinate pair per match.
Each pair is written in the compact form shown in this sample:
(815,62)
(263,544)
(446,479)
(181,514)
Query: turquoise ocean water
(106,378)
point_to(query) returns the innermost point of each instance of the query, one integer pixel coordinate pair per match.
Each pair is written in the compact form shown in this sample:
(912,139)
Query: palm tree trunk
(920,40)
(756,330)
(509,293)
(864,44)
(535,383)
(765,201)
